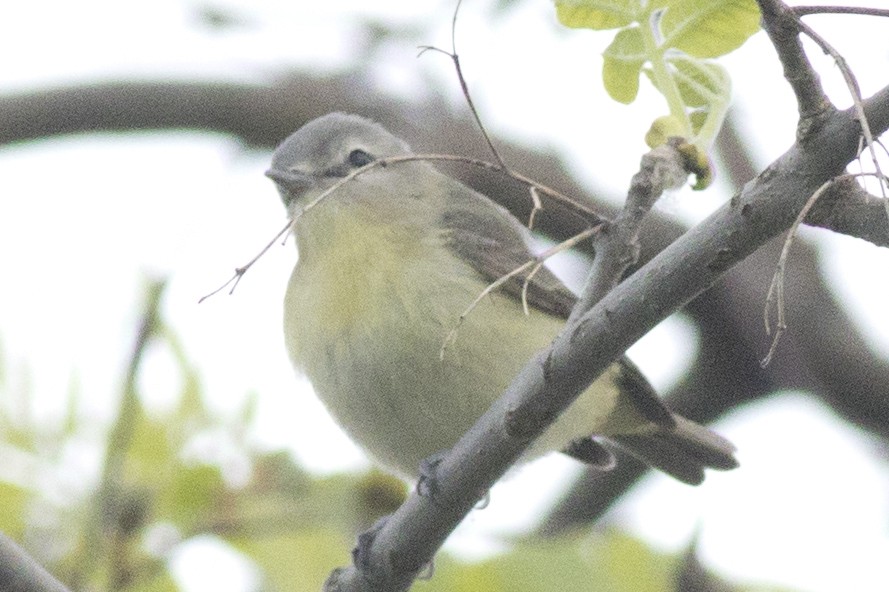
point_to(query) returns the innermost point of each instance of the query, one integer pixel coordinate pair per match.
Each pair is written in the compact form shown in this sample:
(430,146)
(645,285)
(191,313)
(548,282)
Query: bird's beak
(292,181)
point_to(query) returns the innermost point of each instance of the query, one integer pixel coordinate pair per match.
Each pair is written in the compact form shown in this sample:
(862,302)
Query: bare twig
(463,86)
(525,308)
(775,294)
(240,271)
(776,288)
(589,214)
(536,188)
(617,247)
(537,206)
(855,91)
(847,208)
(532,264)
(809,10)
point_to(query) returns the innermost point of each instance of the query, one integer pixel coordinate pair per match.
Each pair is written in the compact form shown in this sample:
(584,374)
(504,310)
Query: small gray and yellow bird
(387,263)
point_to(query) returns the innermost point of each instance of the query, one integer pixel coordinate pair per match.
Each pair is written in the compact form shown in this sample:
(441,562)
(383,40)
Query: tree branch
(555,377)
(20,573)
(617,245)
(846,207)
(846,374)
(814,107)
(859,10)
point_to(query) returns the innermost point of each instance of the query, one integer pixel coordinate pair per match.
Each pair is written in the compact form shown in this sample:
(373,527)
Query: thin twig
(537,206)
(855,91)
(589,214)
(240,271)
(536,188)
(463,86)
(525,284)
(662,168)
(20,572)
(776,288)
(534,264)
(809,10)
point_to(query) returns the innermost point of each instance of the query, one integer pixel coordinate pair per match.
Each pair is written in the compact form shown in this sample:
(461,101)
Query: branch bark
(20,573)
(554,378)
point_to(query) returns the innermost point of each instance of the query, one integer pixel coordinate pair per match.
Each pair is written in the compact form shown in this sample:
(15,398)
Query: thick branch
(554,378)
(848,209)
(20,573)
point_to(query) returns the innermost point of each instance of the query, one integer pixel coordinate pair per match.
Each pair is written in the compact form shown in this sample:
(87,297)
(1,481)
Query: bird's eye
(359,158)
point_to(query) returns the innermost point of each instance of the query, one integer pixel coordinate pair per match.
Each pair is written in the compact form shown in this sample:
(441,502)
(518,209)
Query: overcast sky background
(84,220)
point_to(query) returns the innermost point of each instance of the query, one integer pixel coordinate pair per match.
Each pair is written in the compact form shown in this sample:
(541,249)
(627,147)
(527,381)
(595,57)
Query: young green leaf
(708,28)
(597,14)
(623,61)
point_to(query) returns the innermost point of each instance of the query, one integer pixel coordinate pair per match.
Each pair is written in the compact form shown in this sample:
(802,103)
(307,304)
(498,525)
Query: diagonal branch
(20,573)
(555,377)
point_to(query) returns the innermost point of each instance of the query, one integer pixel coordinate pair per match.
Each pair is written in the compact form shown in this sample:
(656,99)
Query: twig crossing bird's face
(327,149)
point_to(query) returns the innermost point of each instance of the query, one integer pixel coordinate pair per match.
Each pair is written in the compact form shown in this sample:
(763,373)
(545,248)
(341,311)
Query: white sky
(84,219)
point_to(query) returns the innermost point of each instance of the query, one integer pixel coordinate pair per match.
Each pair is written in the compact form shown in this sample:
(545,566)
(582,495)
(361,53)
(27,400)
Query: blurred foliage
(120,531)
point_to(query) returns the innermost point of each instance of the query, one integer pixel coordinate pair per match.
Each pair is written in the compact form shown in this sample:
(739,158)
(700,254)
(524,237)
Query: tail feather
(683,451)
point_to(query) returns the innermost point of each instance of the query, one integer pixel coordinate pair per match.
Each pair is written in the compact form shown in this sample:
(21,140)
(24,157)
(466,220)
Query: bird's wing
(494,242)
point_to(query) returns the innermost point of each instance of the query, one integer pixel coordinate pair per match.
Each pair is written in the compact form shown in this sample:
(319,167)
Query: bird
(388,261)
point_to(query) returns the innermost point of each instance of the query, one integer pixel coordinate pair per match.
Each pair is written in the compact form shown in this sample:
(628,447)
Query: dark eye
(359,158)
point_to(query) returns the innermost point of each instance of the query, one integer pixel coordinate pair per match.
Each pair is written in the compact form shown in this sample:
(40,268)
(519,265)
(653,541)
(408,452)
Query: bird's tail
(682,450)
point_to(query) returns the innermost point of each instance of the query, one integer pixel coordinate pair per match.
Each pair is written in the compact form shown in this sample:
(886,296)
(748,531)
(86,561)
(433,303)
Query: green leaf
(623,62)
(700,82)
(610,562)
(633,567)
(533,566)
(698,119)
(597,14)
(151,454)
(161,582)
(708,28)
(193,492)
(300,561)
(13,501)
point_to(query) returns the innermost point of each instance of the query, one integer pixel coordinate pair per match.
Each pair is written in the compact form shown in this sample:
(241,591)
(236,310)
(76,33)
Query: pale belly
(370,340)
